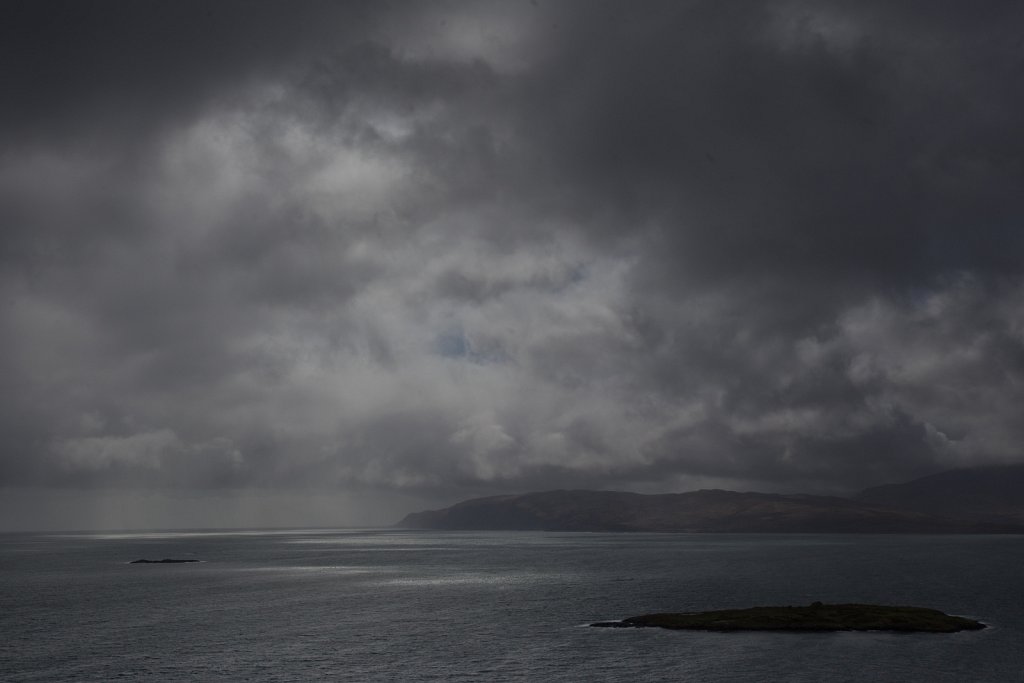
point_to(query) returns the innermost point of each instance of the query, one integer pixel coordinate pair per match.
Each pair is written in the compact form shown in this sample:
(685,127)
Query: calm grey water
(386,605)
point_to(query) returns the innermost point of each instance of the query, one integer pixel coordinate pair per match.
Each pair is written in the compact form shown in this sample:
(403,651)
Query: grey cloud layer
(464,247)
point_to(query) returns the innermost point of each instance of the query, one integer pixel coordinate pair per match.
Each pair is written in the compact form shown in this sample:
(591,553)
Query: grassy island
(814,617)
(166,560)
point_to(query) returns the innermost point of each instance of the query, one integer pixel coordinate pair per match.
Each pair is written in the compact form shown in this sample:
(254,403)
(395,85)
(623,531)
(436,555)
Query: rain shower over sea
(390,605)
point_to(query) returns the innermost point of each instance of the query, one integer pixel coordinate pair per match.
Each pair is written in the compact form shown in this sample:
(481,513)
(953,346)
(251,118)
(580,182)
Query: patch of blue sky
(454,344)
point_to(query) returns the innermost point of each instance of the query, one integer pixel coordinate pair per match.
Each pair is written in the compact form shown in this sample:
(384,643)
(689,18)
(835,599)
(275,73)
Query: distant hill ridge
(994,493)
(961,501)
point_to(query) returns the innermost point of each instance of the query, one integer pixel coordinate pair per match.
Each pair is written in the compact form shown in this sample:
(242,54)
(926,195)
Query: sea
(394,605)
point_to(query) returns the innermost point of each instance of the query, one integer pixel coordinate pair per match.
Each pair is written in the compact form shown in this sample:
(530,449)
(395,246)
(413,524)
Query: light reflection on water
(318,569)
(471,578)
(205,533)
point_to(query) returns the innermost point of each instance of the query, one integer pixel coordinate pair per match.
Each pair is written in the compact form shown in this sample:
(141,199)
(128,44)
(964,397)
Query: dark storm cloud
(466,247)
(79,71)
(823,140)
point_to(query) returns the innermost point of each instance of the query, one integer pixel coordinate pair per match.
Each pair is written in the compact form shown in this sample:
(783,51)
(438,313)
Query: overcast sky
(327,263)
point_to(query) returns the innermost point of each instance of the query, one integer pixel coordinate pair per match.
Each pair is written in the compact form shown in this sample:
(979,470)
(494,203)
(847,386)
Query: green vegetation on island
(814,617)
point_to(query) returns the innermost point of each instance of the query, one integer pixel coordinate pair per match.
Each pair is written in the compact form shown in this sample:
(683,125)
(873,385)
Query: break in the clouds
(448,248)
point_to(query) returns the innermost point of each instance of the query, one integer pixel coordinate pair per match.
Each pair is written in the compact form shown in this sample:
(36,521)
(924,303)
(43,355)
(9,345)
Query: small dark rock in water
(814,617)
(166,560)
